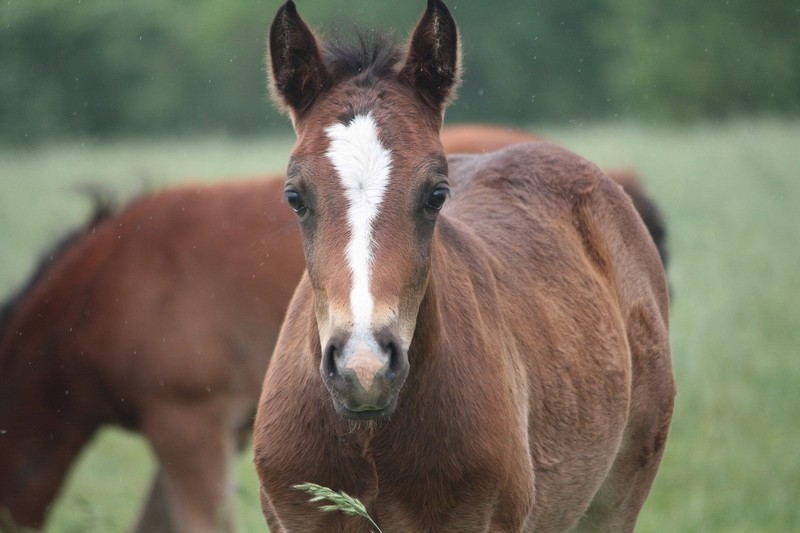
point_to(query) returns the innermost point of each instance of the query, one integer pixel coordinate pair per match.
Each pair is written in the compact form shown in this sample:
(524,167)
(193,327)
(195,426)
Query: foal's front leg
(503,511)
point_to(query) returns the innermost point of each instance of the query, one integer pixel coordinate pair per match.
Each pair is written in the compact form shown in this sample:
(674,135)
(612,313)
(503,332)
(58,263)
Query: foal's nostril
(394,359)
(329,360)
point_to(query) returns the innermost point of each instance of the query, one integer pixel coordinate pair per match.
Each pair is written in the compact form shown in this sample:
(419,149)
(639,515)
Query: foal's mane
(103,207)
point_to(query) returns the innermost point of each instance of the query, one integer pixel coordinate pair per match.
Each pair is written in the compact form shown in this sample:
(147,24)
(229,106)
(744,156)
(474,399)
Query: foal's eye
(437,198)
(296,201)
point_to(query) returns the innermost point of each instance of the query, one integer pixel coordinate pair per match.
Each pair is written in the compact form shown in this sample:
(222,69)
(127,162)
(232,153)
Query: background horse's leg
(156,515)
(196,448)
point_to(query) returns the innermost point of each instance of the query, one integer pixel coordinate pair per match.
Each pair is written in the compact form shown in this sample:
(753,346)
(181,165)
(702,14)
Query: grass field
(730,192)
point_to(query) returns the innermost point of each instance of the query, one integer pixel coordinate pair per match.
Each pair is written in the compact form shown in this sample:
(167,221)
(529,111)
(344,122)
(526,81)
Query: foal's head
(367,178)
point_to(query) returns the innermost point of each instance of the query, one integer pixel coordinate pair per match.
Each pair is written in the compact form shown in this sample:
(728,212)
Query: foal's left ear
(434,56)
(297,71)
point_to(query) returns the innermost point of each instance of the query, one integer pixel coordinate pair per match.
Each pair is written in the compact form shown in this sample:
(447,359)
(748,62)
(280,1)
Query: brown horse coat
(482,138)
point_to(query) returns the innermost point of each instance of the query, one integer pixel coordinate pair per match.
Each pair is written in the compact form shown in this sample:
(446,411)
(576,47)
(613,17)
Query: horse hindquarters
(616,505)
(640,283)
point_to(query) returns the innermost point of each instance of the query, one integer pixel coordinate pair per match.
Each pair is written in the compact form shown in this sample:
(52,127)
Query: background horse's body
(160,319)
(482,138)
(498,361)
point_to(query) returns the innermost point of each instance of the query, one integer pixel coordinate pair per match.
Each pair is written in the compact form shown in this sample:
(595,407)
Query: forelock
(370,56)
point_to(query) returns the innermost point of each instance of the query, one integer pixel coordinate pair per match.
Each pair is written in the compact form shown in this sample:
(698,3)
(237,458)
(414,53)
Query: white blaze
(363,166)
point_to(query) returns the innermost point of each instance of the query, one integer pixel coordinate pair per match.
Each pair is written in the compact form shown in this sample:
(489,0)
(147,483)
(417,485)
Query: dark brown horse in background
(160,319)
(498,361)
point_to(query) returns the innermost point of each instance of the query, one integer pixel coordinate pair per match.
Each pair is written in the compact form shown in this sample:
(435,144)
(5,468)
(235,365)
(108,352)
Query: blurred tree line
(115,67)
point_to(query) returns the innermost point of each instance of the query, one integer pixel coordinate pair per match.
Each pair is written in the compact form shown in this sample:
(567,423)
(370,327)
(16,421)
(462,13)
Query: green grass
(730,192)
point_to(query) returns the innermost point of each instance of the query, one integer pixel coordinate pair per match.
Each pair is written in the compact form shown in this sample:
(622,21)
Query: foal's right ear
(297,72)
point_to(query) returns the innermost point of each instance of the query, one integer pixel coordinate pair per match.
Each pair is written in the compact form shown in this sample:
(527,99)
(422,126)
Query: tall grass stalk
(339,501)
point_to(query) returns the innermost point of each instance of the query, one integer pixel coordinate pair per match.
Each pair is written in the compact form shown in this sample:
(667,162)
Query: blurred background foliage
(119,68)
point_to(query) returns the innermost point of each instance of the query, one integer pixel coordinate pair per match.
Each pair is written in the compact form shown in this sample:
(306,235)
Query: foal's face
(367,179)
(367,189)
